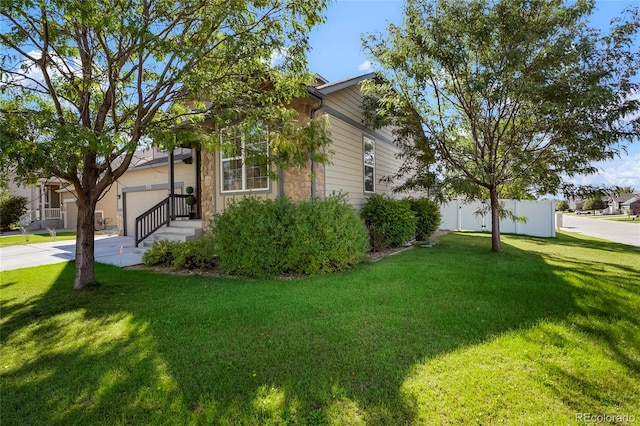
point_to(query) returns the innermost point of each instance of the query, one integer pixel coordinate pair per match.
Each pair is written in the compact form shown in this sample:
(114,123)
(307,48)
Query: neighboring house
(576,203)
(362,156)
(632,204)
(106,211)
(43,203)
(52,204)
(623,201)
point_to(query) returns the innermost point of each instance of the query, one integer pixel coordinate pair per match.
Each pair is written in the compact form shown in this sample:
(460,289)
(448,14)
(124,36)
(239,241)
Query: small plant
(161,253)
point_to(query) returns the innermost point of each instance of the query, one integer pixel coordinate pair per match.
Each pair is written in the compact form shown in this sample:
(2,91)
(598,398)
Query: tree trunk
(85,255)
(496,245)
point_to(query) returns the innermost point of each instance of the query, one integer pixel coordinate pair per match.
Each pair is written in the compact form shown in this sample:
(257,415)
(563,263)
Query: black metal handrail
(160,215)
(152,220)
(180,206)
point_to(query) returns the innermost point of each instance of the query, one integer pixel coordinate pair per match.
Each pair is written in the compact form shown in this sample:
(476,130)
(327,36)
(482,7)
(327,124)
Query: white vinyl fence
(459,215)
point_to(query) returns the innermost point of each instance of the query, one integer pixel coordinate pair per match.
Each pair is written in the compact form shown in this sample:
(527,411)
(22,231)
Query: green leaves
(115,68)
(85,83)
(506,96)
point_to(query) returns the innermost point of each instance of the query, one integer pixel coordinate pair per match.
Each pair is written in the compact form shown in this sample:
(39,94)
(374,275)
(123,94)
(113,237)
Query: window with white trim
(244,159)
(369,150)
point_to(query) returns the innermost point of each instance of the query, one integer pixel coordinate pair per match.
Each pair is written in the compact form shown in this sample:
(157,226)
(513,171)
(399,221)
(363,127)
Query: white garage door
(138,203)
(71,214)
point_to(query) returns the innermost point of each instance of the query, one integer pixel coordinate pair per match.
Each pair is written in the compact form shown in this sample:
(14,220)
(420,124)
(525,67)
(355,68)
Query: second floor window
(244,159)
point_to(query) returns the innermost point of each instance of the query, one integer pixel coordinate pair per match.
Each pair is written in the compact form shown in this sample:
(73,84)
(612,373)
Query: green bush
(271,237)
(161,253)
(200,253)
(562,205)
(428,217)
(327,236)
(390,222)
(251,236)
(12,207)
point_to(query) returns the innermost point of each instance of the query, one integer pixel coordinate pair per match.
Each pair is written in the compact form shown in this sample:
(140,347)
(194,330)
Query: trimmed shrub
(390,222)
(327,236)
(252,238)
(200,253)
(271,237)
(12,207)
(428,217)
(161,253)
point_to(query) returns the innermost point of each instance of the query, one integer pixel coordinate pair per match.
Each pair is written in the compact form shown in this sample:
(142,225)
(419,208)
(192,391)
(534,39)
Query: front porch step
(178,230)
(190,223)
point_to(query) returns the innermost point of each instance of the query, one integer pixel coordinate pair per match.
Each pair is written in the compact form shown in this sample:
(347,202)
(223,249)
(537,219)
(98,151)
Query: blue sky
(337,54)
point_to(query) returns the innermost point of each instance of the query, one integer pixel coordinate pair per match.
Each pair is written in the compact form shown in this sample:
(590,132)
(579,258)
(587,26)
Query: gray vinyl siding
(346,174)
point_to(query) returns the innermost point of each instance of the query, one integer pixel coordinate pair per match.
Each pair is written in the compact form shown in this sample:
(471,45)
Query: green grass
(16,240)
(453,334)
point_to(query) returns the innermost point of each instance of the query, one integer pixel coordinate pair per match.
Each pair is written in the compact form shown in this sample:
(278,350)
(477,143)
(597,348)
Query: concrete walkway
(619,232)
(112,250)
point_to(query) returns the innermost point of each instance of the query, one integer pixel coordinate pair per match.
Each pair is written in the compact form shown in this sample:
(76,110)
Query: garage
(136,203)
(70,213)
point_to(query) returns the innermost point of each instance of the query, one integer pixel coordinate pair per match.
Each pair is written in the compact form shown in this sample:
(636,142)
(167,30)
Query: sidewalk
(112,250)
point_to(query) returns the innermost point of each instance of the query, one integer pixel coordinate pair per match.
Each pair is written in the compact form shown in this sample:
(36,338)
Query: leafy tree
(84,83)
(501,97)
(594,204)
(562,205)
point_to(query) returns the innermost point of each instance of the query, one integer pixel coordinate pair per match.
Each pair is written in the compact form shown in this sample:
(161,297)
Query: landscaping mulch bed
(373,256)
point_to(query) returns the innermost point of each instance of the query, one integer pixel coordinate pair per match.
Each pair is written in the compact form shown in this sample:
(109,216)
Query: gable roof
(621,198)
(631,200)
(334,86)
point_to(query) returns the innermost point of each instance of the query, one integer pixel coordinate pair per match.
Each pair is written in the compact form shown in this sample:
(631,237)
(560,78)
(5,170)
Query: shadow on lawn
(147,348)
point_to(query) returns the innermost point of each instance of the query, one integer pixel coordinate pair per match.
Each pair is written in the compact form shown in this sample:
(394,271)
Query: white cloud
(278,57)
(366,66)
(30,75)
(623,171)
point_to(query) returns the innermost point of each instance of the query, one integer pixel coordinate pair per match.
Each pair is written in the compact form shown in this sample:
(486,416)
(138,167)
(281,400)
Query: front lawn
(15,240)
(541,333)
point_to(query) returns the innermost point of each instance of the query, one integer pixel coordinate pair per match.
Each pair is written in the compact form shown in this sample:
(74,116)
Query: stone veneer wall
(297,183)
(207,170)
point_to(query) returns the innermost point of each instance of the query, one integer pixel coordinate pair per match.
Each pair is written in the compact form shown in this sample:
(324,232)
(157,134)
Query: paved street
(619,232)
(112,250)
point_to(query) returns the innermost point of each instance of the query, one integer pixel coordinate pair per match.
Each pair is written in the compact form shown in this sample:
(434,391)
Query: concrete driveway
(619,232)
(112,250)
